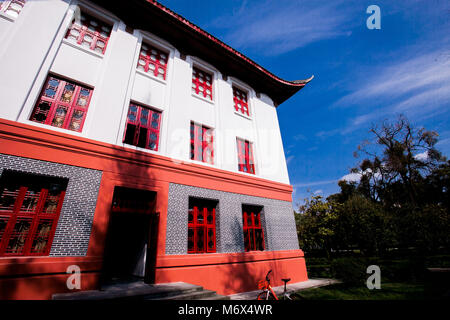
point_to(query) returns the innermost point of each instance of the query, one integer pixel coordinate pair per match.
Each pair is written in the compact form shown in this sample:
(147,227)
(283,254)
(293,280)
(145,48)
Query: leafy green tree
(316,224)
(366,224)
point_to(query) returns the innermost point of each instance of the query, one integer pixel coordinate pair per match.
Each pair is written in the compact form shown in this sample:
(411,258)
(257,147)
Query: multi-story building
(134,143)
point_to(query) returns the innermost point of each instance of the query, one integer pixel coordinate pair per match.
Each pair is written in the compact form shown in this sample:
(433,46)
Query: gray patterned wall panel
(277,219)
(77,213)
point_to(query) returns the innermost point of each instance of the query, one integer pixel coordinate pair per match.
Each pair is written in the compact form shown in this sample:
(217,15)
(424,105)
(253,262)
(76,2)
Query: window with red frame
(143,127)
(89,32)
(201,226)
(29,210)
(245,156)
(153,60)
(62,104)
(202,143)
(240,101)
(202,83)
(253,230)
(12,7)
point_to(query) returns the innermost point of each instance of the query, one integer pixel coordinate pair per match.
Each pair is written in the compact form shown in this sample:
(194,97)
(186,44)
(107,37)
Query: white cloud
(418,87)
(320,191)
(316,183)
(289,159)
(351,177)
(281,26)
(421,156)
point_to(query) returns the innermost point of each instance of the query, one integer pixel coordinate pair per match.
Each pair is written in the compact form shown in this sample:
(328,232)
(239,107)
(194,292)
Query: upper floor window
(143,127)
(240,101)
(202,83)
(12,7)
(62,104)
(245,156)
(201,226)
(253,231)
(153,61)
(89,32)
(202,143)
(29,211)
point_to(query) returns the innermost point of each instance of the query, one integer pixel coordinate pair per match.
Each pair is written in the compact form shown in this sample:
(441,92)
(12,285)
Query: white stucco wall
(35,47)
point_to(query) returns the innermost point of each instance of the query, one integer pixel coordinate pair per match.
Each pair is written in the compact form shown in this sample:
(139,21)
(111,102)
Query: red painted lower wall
(40,277)
(232,273)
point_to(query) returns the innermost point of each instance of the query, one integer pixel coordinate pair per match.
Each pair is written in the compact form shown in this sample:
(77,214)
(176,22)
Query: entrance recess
(130,251)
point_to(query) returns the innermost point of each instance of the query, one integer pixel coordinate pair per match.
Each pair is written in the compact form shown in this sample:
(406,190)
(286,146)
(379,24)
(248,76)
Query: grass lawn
(388,291)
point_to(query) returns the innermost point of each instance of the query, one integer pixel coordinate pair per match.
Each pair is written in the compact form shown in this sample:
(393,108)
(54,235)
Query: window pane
(41,111)
(60,116)
(30,201)
(200,241)
(67,93)
(3,223)
(83,97)
(129,134)
(19,236)
(8,197)
(76,121)
(41,236)
(259,240)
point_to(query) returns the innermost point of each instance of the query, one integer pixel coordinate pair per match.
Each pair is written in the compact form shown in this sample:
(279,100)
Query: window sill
(247,174)
(242,115)
(79,47)
(7,17)
(50,127)
(202,98)
(202,163)
(148,75)
(135,148)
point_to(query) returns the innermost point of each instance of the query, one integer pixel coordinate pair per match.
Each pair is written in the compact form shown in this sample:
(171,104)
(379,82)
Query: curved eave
(192,40)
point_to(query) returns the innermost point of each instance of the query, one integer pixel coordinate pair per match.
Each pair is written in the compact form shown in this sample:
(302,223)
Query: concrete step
(197,295)
(133,290)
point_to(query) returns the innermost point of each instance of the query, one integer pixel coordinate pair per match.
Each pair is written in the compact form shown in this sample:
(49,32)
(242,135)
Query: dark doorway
(132,234)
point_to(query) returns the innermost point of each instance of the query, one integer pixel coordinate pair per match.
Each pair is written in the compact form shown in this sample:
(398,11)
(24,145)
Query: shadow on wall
(244,276)
(30,278)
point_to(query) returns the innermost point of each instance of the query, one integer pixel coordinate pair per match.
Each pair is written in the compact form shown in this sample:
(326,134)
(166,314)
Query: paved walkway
(311,283)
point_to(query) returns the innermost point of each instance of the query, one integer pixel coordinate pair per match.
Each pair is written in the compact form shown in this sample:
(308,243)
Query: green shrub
(349,270)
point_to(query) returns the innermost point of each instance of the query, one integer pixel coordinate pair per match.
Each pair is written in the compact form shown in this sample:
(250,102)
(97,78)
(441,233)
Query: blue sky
(362,76)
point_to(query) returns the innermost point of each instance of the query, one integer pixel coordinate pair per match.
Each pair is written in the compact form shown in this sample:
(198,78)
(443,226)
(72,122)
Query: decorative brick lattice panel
(77,213)
(277,219)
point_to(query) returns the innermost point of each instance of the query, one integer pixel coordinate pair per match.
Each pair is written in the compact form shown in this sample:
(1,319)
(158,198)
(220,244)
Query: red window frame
(29,213)
(90,32)
(245,156)
(63,104)
(153,60)
(202,143)
(240,99)
(14,6)
(202,83)
(143,127)
(253,230)
(202,229)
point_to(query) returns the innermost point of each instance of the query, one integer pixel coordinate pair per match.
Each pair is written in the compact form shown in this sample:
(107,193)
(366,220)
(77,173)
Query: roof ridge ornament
(305,81)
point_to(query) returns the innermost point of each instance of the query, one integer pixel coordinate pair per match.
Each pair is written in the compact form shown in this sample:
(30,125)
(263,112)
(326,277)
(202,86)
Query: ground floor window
(253,230)
(29,210)
(202,226)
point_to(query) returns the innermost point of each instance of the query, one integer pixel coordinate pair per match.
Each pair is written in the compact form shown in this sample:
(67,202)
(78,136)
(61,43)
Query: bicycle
(267,291)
